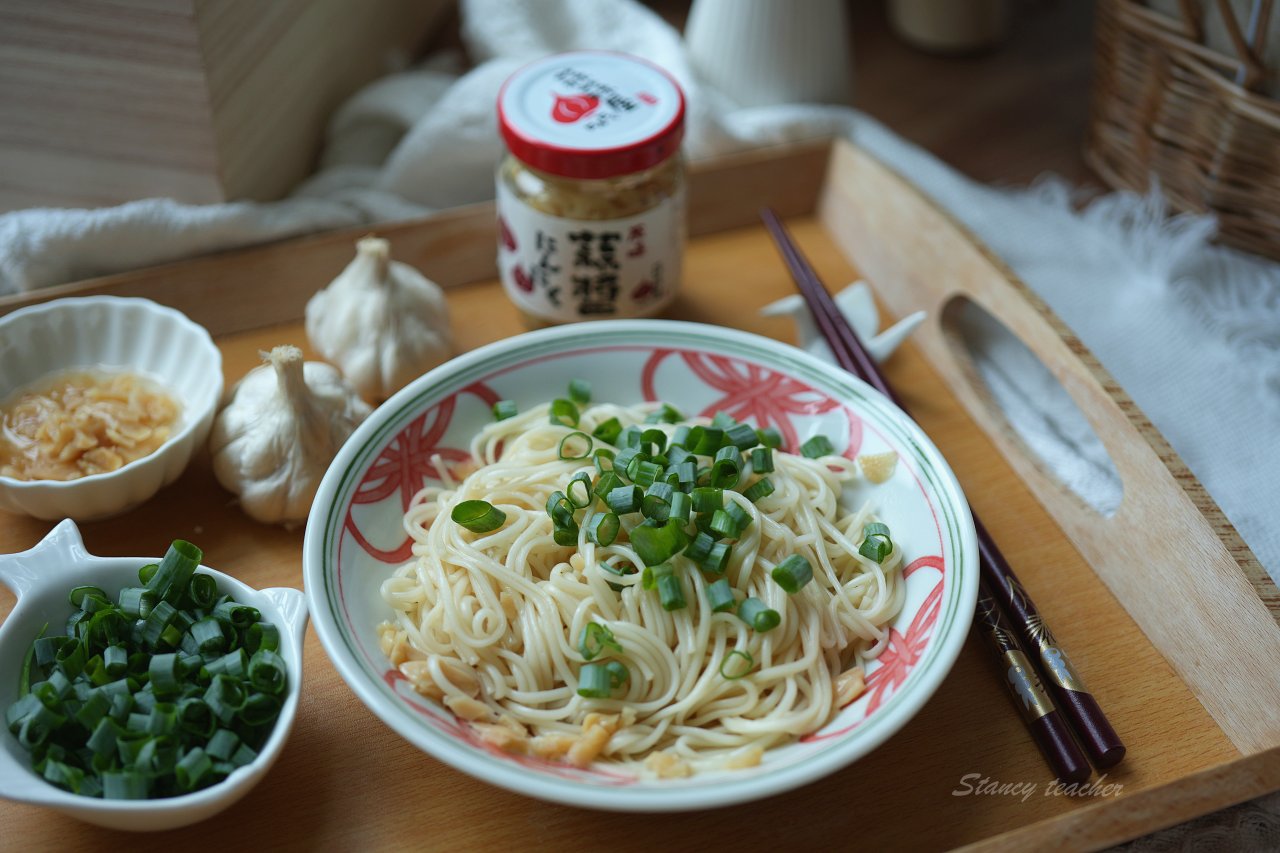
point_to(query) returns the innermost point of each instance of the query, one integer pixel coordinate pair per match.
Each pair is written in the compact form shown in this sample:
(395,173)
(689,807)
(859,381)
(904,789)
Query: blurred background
(214,100)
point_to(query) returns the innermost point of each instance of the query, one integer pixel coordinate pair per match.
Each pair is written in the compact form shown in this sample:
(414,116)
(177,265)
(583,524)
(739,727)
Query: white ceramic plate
(354,536)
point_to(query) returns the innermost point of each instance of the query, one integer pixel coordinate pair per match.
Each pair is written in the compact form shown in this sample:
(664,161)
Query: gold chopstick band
(1026,685)
(1057,666)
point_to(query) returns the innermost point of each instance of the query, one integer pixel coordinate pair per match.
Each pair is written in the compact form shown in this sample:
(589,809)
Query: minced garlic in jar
(81,422)
(591,194)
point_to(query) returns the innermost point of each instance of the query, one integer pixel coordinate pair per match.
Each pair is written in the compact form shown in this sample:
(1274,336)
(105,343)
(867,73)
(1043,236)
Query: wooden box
(197,100)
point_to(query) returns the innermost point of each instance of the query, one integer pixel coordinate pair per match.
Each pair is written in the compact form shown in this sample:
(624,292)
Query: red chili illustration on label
(523,281)
(569,108)
(508,239)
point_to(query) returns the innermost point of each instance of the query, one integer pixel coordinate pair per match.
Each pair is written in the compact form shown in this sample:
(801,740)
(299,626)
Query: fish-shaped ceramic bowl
(41,579)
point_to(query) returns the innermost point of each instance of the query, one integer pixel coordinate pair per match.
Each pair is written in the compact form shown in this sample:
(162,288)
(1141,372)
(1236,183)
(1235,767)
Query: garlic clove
(377,252)
(380,321)
(280,429)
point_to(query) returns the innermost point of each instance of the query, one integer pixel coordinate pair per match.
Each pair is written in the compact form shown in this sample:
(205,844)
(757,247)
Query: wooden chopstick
(1046,724)
(999,583)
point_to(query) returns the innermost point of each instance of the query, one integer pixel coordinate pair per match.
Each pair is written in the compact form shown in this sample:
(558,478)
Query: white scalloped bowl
(355,536)
(40,579)
(116,334)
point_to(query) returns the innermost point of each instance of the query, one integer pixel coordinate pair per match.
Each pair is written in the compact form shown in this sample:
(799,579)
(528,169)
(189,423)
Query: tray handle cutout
(1030,404)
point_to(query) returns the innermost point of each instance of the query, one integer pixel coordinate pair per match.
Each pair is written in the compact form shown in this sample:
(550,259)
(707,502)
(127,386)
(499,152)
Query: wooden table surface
(346,781)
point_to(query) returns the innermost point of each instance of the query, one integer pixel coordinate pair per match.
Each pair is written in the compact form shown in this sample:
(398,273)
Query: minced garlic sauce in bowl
(79,422)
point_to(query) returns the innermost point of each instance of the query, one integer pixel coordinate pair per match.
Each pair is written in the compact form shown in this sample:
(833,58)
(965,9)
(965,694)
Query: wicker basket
(1167,107)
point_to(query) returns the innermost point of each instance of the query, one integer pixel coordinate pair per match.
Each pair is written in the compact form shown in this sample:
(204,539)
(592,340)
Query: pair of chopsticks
(1066,708)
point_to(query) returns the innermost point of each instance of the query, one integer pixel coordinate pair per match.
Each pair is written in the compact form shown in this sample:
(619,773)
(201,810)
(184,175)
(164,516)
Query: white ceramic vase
(763,52)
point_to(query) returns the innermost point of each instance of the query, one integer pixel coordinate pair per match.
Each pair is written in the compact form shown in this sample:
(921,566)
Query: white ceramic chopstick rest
(859,308)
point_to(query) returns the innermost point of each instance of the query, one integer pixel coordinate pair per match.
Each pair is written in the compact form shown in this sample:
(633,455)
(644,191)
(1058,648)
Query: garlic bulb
(282,427)
(380,321)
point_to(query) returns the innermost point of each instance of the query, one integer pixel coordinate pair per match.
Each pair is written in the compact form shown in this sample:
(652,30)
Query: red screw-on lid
(591,114)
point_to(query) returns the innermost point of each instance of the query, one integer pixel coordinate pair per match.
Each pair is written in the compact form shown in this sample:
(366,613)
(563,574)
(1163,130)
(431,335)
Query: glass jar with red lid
(590,195)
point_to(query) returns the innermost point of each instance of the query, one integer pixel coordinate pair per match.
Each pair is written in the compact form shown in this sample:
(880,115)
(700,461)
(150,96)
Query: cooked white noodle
(495,618)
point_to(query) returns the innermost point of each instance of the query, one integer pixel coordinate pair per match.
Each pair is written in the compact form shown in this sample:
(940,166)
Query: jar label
(566,270)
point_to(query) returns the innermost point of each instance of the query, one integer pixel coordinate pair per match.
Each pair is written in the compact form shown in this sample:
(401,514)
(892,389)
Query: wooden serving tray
(1166,613)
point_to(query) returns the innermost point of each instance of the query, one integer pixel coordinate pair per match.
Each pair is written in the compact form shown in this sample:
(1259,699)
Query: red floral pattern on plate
(904,650)
(752,392)
(405,465)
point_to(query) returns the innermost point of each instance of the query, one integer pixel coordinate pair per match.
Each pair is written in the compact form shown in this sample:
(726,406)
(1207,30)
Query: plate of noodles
(641,565)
